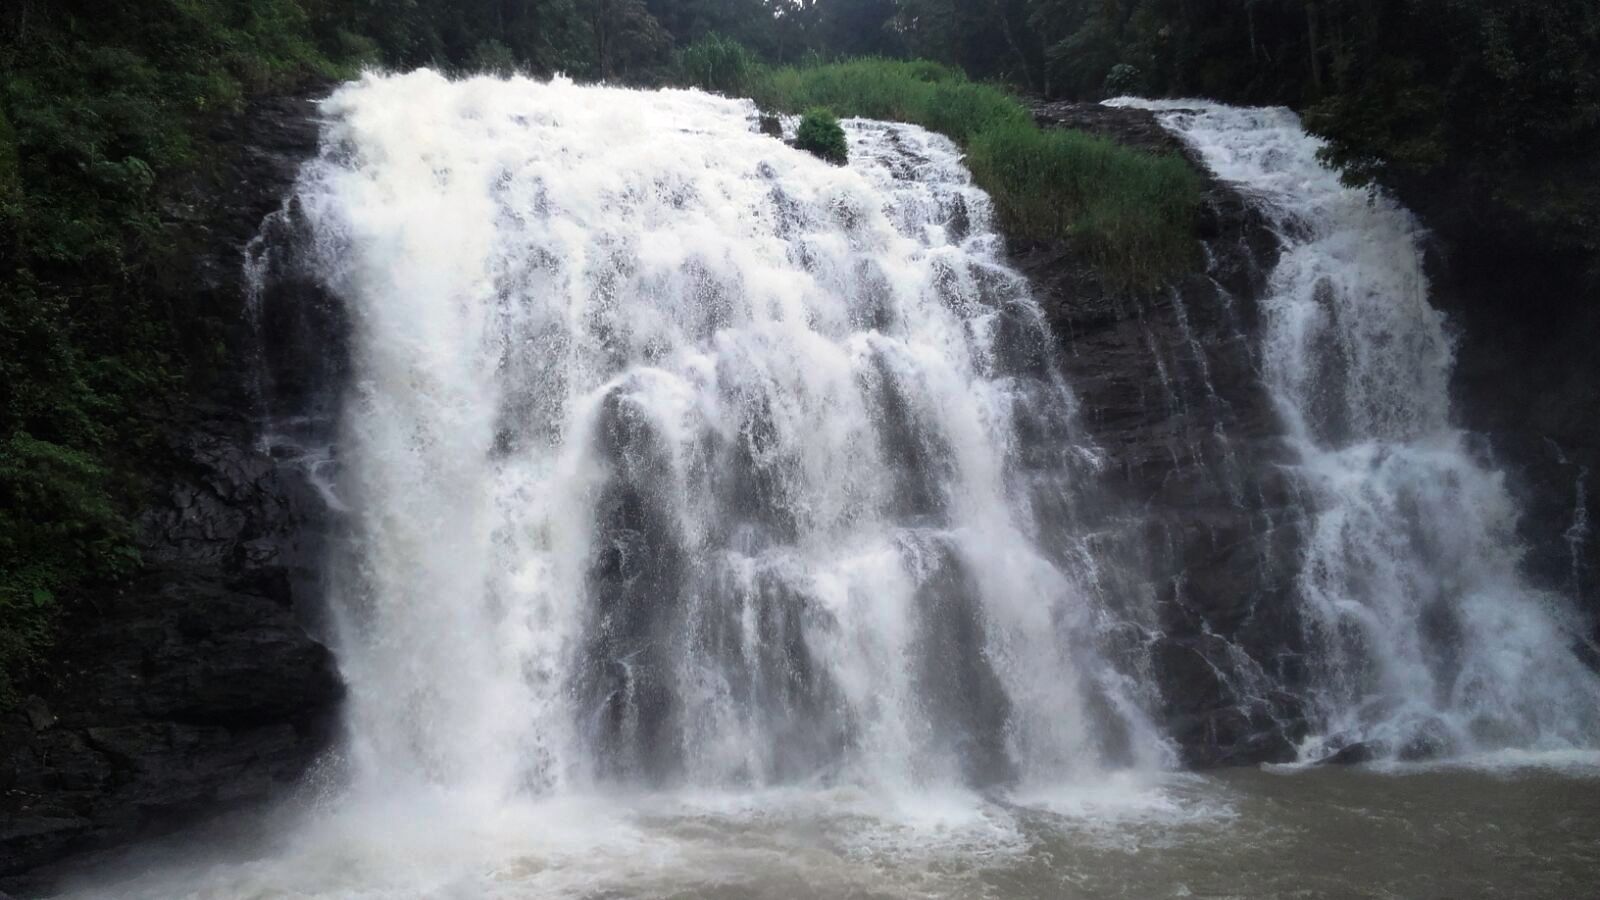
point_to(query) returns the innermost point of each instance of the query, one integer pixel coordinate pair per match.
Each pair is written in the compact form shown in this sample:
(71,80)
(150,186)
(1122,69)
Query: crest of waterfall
(673,455)
(1424,637)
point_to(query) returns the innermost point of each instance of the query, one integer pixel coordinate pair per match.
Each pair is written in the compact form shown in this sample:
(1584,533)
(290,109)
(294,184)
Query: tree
(627,39)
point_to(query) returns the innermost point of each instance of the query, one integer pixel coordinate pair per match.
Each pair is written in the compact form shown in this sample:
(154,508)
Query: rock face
(198,688)
(1527,384)
(1169,387)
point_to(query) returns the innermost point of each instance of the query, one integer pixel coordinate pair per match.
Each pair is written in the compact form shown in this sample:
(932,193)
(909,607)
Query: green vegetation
(934,96)
(1131,213)
(1482,115)
(717,64)
(97,102)
(820,135)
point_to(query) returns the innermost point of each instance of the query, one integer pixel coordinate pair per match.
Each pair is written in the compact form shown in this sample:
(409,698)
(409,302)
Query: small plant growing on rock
(820,135)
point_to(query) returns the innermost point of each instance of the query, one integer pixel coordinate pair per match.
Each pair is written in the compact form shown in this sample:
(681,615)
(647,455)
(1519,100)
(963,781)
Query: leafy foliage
(820,135)
(58,521)
(1492,108)
(1480,114)
(100,101)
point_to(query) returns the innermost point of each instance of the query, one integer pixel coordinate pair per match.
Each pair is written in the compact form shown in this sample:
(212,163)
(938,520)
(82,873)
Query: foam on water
(774,842)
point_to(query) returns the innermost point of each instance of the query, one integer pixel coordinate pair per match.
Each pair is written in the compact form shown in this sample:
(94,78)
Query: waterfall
(1425,639)
(674,456)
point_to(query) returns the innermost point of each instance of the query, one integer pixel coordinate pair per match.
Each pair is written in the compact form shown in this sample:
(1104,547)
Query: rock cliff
(198,687)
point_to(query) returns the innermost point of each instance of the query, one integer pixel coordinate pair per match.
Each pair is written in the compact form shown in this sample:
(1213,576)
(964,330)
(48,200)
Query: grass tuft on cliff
(1131,213)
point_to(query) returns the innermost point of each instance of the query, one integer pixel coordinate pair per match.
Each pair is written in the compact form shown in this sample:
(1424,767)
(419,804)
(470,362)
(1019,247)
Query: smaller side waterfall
(1425,640)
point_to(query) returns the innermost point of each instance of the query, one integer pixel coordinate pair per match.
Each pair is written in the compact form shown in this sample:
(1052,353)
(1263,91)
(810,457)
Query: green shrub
(59,523)
(1123,79)
(820,135)
(492,57)
(1131,212)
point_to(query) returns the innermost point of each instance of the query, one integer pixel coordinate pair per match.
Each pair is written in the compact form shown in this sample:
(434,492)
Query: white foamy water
(1425,638)
(678,456)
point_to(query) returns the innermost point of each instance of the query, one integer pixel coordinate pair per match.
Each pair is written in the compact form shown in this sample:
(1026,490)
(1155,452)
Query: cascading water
(1425,640)
(679,457)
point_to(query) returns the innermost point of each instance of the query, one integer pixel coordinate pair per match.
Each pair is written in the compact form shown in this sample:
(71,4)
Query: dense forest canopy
(1487,111)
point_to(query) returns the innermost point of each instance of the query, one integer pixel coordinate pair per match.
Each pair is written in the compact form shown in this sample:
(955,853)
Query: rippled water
(1315,833)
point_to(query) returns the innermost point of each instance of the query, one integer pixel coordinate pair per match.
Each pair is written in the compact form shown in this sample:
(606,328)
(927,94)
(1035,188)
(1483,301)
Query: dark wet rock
(963,695)
(38,713)
(1169,387)
(1426,745)
(1526,384)
(1351,755)
(1129,127)
(186,693)
(197,687)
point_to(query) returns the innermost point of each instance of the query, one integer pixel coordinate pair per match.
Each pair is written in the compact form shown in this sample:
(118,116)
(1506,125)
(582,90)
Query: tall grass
(718,64)
(934,96)
(1132,213)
